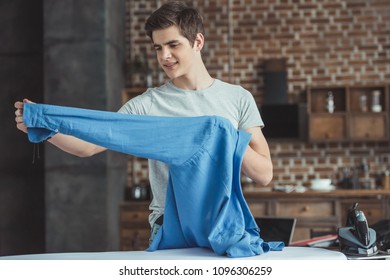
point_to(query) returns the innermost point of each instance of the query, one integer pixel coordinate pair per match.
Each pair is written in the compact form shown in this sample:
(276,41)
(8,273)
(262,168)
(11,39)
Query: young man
(176,32)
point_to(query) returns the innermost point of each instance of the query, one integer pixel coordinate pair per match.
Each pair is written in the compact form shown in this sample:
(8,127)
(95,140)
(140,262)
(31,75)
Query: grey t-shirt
(221,99)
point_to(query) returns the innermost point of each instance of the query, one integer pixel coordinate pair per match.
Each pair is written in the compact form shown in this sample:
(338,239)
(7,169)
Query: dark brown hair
(178,13)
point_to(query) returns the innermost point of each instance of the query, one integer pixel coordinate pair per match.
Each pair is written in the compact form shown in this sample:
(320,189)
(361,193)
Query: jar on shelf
(376,103)
(330,102)
(363,103)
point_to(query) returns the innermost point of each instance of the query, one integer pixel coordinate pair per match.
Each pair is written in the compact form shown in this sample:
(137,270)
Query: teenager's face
(174,52)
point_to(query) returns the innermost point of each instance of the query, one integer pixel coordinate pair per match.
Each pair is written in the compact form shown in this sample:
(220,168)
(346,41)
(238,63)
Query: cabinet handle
(305,208)
(367,135)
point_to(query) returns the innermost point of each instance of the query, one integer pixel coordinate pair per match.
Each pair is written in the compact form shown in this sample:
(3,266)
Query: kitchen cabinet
(348,113)
(319,212)
(134,225)
(316,212)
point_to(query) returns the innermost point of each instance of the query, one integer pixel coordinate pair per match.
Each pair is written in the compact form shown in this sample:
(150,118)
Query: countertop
(259,192)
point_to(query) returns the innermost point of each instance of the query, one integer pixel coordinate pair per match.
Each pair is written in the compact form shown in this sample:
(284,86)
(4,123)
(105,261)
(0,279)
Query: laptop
(276,229)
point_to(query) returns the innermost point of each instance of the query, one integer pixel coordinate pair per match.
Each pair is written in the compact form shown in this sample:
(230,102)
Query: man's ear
(199,42)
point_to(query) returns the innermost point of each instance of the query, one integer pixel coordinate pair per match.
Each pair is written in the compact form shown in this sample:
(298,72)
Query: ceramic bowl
(321,183)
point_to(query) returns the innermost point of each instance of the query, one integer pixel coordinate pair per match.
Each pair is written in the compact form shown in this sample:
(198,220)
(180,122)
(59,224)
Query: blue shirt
(205,206)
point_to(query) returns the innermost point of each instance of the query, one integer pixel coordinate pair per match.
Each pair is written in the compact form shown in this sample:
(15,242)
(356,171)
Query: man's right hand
(19,115)
(67,143)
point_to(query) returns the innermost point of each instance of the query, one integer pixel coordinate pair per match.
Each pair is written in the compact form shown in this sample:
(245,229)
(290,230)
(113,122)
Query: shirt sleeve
(169,139)
(249,112)
(139,105)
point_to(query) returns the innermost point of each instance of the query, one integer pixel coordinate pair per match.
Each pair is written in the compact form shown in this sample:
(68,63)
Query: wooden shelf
(354,117)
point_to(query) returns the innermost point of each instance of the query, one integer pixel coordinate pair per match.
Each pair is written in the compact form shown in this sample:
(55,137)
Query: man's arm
(257,163)
(75,146)
(67,143)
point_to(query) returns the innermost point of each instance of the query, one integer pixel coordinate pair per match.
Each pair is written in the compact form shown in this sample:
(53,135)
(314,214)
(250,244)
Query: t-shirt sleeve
(138,105)
(249,112)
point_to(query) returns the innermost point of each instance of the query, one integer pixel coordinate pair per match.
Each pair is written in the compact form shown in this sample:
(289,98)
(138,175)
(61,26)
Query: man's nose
(166,54)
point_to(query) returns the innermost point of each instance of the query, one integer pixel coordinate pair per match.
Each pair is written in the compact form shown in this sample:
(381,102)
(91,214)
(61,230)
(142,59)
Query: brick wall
(329,42)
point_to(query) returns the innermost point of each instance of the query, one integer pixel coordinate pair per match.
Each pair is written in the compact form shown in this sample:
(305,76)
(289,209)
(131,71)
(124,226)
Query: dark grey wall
(22,228)
(68,53)
(84,57)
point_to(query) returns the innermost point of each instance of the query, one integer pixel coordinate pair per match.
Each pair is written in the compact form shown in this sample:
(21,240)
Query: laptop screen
(276,229)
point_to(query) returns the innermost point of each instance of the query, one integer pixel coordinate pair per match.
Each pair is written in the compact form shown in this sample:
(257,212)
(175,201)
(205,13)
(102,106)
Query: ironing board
(289,253)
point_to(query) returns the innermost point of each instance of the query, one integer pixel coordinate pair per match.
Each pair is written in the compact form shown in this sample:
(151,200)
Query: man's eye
(174,45)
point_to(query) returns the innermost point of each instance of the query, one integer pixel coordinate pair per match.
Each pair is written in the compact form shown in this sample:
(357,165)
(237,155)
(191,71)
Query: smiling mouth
(170,65)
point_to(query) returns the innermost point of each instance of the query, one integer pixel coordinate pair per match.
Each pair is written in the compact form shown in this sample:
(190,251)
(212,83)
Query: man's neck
(198,80)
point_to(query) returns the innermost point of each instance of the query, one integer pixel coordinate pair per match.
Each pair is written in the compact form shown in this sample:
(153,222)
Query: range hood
(282,120)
